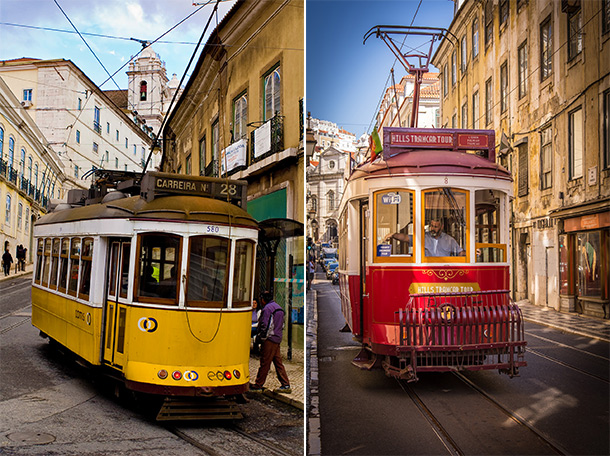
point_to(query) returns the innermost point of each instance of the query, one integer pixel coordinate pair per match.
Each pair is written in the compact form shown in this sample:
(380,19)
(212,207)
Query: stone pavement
(13,274)
(569,322)
(295,369)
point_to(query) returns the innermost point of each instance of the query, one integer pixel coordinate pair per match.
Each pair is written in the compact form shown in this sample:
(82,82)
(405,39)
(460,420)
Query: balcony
(267,140)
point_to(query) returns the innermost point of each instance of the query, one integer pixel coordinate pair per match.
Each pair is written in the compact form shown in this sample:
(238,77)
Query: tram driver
(437,242)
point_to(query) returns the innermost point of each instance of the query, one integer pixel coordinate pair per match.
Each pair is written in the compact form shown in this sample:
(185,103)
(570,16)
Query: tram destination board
(163,184)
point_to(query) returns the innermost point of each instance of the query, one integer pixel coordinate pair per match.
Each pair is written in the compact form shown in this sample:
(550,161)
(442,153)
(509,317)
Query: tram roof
(431,162)
(183,208)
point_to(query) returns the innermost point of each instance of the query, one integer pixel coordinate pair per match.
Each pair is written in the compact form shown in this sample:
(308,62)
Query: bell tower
(148,92)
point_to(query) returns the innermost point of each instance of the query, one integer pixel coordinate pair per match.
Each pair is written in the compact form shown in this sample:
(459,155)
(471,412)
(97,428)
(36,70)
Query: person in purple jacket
(269,335)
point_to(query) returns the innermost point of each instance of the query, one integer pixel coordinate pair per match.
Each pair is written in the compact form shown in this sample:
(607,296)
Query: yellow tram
(156,287)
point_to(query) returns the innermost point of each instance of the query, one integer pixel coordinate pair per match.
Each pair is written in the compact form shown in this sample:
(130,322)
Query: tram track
(444,434)
(254,444)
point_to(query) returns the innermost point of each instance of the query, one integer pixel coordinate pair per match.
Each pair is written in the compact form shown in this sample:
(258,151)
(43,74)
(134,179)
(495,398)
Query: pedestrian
(311,269)
(20,265)
(269,336)
(7,260)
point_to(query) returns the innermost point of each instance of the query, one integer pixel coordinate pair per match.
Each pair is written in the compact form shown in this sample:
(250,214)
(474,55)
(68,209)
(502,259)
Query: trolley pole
(290,275)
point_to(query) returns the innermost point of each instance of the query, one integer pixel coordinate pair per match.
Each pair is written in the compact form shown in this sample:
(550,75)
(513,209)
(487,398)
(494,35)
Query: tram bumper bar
(458,331)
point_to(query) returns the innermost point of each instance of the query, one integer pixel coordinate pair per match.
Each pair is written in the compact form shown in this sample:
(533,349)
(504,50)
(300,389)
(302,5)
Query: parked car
(335,277)
(330,268)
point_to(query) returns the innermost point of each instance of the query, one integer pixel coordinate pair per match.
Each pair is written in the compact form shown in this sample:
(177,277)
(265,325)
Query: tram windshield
(394,228)
(207,272)
(445,222)
(489,248)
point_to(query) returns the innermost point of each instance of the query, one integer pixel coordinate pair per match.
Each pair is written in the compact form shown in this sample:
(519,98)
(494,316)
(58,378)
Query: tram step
(179,408)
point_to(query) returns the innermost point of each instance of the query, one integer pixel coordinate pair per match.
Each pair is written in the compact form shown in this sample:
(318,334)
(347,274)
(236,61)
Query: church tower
(148,93)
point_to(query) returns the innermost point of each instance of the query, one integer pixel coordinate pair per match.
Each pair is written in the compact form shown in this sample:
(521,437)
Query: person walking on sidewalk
(7,260)
(269,336)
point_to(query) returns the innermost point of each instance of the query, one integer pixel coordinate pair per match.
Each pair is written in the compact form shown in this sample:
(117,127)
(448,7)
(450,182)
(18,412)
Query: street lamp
(310,139)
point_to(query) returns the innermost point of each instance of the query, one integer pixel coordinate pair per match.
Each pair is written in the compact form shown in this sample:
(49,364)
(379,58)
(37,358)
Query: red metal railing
(459,331)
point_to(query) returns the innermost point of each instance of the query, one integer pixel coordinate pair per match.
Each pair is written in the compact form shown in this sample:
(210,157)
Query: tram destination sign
(434,138)
(162,184)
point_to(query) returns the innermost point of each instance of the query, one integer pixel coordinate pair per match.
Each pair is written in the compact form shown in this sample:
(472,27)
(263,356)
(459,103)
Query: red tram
(423,256)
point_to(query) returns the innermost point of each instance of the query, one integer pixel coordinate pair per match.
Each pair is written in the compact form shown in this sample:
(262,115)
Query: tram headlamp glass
(227,375)
(236,374)
(162,374)
(176,375)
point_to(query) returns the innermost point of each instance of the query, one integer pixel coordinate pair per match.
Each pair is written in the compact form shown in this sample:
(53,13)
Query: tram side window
(445,223)
(159,266)
(487,227)
(85,277)
(242,273)
(74,266)
(54,263)
(39,260)
(45,262)
(394,223)
(64,262)
(207,272)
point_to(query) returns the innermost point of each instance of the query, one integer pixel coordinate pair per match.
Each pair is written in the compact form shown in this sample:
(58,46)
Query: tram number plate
(212,229)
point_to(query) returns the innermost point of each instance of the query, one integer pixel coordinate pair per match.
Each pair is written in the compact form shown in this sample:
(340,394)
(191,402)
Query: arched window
(331,200)
(143,90)
(22,163)
(30,169)
(1,142)
(11,151)
(36,175)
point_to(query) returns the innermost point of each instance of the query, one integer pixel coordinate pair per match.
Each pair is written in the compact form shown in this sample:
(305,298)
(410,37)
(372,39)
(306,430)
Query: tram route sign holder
(156,184)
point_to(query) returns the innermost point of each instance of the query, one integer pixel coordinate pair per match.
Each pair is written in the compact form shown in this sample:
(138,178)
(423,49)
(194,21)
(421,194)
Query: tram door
(364,238)
(116,309)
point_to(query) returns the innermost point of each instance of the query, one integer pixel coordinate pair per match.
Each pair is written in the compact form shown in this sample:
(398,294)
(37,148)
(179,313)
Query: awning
(279,228)
(576,210)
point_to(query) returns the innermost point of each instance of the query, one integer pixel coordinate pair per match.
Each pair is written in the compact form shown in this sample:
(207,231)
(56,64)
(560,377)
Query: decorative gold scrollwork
(445,274)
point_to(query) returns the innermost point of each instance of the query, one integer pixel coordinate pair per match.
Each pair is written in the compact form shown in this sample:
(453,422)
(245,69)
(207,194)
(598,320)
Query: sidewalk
(571,322)
(13,274)
(295,368)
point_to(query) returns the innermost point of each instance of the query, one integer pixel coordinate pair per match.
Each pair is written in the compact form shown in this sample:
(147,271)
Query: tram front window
(394,223)
(207,272)
(159,266)
(242,273)
(445,223)
(489,248)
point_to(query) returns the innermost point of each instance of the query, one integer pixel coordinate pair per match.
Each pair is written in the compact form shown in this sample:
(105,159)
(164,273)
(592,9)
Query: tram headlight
(162,374)
(227,375)
(236,374)
(176,375)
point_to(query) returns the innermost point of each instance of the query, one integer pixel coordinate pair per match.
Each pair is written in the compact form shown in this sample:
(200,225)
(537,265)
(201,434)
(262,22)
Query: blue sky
(346,79)
(25,24)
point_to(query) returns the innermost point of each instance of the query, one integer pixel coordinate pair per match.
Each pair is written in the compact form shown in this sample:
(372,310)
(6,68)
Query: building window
(215,144)
(606,134)
(523,184)
(27,95)
(27,219)
(126,143)
(489,23)
(22,163)
(574,33)
(80,104)
(475,110)
(465,115)
(546,158)
(504,87)
(272,93)
(187,166)
(96,120)
(77,136)
(488,102)
(75,173)
(445,79)
(464,55)
(475,38)
(117,135)
(503,12)
(30,169)
(453,69)
(143,90)
(7,218)
(454,121)
(202,156)
(1,142)
(589,263)
(575,143)
(107,157)
(95,148)
(546,49)
(522,56)
(135,150)
(116,162)
(240,117)
(19,215)
(331,200)
(107,128)
(605,16)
